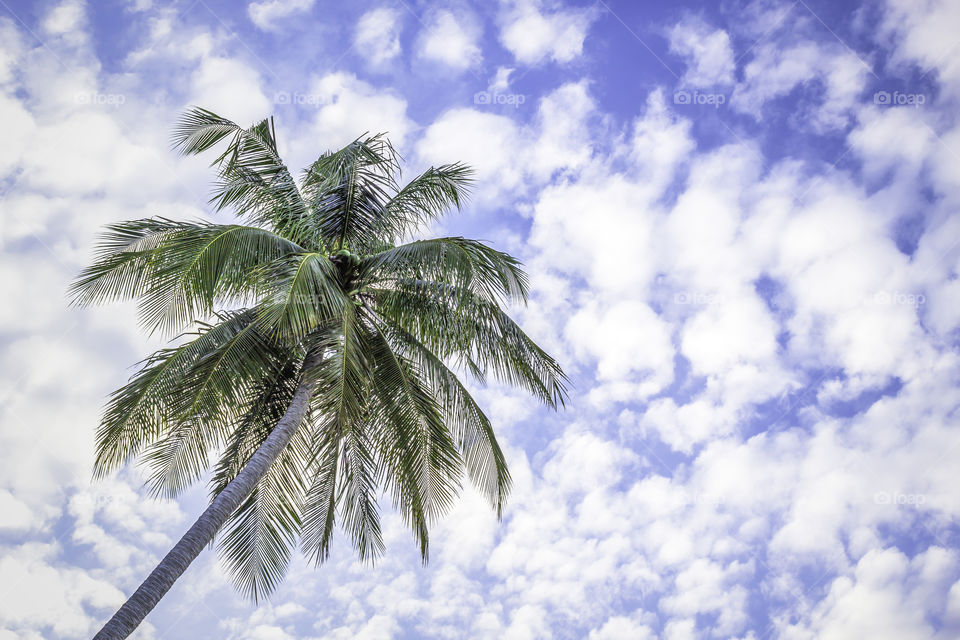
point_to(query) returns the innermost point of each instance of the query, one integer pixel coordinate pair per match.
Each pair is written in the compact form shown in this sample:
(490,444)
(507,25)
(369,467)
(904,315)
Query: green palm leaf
(301,292)
(256,543)
(209,395)
(252,178)
(427,197)
(484,461)
(475,332)
(348,191)
(342,404)
(178,271)
(465,264)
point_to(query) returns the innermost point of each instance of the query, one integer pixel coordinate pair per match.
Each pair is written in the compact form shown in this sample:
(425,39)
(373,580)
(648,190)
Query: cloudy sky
(741,222)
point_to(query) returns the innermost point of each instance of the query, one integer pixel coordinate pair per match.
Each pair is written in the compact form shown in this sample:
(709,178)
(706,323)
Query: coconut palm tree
(315,358)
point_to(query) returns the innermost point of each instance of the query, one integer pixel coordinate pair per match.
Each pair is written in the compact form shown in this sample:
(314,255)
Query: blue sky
(740,221)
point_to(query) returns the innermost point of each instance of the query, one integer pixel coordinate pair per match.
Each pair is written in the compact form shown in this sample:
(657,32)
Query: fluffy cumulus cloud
(450,39)
(377,36)
(707,53)
(508,157)
(535,34)
(347,107)
(922,36)
(755,298)
(266,14)
(786,59)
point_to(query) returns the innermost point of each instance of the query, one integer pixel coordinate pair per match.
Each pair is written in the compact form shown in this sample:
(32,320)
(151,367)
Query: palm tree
(315,358)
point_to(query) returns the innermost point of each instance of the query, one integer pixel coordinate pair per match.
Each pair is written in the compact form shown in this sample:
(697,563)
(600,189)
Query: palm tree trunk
(146,597)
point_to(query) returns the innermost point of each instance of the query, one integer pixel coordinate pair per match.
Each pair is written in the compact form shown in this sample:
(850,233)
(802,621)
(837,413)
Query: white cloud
(923,34)
(887,596)
(501,81)
(231,88)
(38,596)
(731,332)
(608,250)
(66,22)
(631,345)
(347,107)
(564,137)
(451,40)
(892,138)
(706,51)
(622,627)
(17,517)
(775,70)
(11,49)
(534,36)
(660,144)
(705,587)
(487,142)
(503,153)
(267,13)
(377,36)
(21,125)
(58,160)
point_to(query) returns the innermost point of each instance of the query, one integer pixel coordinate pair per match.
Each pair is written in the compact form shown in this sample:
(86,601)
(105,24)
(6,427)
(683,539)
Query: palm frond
(210,396)
(146,408)
(419,460)
(320,505)
(123,257)
(198,130)
(178,271)
(347,192)
(359,513)
(301,292)
(267,403)
(342,404)
(475,332)
(485,464)
(426,198)
(257,541)
(137,412)
(252,179)
(465,264)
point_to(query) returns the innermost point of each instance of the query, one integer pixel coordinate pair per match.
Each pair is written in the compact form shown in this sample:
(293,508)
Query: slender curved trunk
(146,597)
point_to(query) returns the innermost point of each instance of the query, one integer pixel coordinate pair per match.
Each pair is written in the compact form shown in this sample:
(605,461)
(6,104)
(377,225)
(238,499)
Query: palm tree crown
(317,284)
